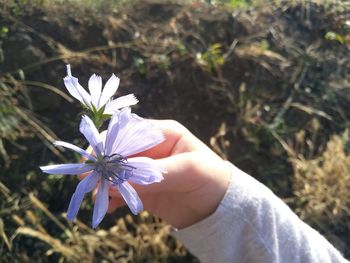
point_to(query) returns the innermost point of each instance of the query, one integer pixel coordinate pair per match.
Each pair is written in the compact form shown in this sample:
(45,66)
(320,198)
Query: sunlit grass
(322,184)
(141,239)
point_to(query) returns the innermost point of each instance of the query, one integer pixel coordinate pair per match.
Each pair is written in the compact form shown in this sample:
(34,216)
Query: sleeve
(251,224)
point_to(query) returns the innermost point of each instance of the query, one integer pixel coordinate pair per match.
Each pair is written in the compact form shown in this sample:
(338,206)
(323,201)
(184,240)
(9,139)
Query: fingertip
(94,193)
(114,203)
(82,176)
(113,192)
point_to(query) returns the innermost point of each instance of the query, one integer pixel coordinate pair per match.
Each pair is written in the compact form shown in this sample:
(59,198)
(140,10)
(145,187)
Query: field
(265,83)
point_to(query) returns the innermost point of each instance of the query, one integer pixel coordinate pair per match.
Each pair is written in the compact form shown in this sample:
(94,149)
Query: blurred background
(265,83)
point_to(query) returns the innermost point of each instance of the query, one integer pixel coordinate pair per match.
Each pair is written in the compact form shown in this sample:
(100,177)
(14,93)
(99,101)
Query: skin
(194,184)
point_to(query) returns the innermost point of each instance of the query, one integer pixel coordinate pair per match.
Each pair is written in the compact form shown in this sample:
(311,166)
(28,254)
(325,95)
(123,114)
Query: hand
(195,182)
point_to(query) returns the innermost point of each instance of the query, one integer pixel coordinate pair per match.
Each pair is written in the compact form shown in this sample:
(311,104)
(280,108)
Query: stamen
(115,168)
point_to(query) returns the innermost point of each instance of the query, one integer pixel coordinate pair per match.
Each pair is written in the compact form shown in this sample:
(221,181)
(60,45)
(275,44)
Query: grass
(141,239)
(321,184)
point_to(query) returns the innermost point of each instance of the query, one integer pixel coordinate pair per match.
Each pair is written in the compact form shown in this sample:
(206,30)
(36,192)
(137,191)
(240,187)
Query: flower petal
(147,171)
(112,132)
(68,168)
(135,134)
(101,203)
(131,197)
(95,87)
(108,91)
(88,129)
(75,89)
(76,149)
(86,185)
(121,102)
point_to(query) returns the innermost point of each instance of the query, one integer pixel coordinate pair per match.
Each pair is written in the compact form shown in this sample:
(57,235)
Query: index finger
(177,139)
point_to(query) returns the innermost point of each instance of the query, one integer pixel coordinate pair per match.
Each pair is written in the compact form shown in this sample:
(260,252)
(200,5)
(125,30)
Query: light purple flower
(127,134)
(98,98)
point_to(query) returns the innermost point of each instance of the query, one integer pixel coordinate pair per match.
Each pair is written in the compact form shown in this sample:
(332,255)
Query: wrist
(205,200)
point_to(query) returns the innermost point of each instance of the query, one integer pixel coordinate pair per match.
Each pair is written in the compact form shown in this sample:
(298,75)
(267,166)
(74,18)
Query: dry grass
(139,239)
(322,184)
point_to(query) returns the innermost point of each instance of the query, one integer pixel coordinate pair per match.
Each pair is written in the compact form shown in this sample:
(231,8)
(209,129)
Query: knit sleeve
(251,224)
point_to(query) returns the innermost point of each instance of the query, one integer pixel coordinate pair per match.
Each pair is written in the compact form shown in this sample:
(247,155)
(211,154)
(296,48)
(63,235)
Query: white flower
(98,98)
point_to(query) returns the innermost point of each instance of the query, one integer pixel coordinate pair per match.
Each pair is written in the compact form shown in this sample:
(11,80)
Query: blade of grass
(4,236)
(41,132)
(45,86)
(43,208)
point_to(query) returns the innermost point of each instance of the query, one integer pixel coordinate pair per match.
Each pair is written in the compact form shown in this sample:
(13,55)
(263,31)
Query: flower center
(114,168)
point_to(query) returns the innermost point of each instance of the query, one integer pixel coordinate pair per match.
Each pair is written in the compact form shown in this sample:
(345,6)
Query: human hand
(195,182)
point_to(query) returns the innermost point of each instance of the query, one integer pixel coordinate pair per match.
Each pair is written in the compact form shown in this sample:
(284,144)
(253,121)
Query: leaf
(335,37)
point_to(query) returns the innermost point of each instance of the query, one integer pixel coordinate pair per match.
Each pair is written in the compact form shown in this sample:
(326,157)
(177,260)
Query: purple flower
(98,98)
(127,134)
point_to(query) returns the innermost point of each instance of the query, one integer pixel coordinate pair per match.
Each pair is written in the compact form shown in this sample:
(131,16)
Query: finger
(177,167)
(178,139)
(114,203)
(83,159)
(172,131)
(113,191)
(82,176)
(94,193)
